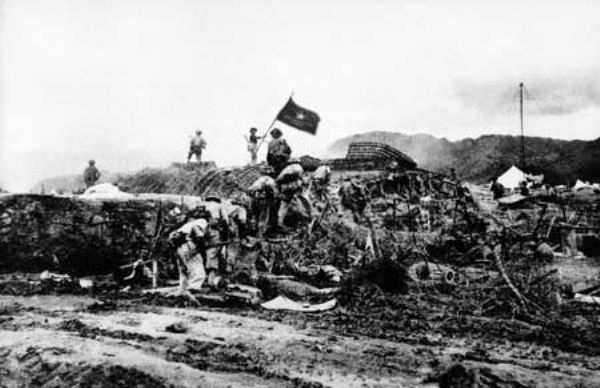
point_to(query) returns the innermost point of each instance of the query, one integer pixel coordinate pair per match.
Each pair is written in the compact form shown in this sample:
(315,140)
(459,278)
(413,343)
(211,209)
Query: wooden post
(154,272)
(156,237)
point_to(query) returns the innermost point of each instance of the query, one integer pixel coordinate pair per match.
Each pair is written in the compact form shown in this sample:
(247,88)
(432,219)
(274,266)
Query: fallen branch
(511,286)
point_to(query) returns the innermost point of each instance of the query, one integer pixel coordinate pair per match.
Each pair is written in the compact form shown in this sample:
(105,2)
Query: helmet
(276,132)
(92,162)
(199,211)
(266,170)
(212,196)
(198,131)
(253,130)
(174,211)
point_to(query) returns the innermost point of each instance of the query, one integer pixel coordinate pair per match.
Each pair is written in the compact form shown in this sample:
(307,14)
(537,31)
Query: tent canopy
(512,178)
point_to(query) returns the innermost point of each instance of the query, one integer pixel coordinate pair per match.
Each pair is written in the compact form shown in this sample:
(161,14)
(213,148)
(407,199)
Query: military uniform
(220,231)
(263,193)
(292,203)
(353,197)
(91,175)
(189,244)
(197,145)
(278,151)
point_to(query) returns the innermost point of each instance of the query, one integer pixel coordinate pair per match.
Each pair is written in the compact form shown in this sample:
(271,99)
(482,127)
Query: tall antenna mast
(522,133)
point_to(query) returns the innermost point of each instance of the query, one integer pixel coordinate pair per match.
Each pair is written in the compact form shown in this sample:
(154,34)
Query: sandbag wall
(75,236)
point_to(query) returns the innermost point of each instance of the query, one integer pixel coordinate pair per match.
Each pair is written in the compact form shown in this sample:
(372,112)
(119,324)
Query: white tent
(512,178)
(580,185)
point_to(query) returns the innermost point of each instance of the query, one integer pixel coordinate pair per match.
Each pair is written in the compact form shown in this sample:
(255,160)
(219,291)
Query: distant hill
(480,159)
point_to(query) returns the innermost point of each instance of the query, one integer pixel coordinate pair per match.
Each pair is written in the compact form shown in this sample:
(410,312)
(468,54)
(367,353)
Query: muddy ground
(56,339)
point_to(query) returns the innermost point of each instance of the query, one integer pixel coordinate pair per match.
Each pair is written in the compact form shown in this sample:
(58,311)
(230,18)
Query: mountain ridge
(487,156)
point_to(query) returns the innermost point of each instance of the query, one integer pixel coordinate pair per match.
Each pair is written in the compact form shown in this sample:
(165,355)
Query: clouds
(562,95)
(567,96)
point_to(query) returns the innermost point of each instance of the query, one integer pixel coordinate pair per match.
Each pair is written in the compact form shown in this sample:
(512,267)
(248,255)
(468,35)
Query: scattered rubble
(417,256)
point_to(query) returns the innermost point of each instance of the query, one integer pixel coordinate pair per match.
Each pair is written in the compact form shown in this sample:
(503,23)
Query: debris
(458,376)
(332,273)
(283,303)
(544,252)
(55,277)
(176,328)
(379,247)
(243,294)
(216,281)
(512,199)
(483,197)
(428,271)
(294,288)
(587,299)
(86,283)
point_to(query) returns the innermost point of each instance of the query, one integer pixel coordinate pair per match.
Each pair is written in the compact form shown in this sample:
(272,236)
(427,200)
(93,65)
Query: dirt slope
(51,341)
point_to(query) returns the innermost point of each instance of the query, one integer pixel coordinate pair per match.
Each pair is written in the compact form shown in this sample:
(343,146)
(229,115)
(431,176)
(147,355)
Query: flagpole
(262,139)
(269,128)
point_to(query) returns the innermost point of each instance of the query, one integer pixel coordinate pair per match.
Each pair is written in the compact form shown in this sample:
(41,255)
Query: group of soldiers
(276,154)
(91,174)
(202,238)
(279,200)
(274,203)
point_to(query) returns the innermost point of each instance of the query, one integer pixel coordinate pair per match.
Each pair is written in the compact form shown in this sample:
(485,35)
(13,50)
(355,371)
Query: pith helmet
(266,169)
(212,196)
(199,212)
(276,133)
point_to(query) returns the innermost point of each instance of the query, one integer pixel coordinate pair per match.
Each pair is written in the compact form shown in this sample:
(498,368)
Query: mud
(60,340)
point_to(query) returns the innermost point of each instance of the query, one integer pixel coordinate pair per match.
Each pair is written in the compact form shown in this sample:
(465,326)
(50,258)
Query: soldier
(320,183)
(238,215)
(220,232)
(353,196)
(278,152)
(524,189)
(189,242)
(197,145)
(263,193)
(293,207)
(253,144)
(453,174)
(91,174)
(497,189)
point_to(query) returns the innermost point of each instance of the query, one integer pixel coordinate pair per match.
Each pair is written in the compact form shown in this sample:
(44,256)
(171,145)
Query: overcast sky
(126,82)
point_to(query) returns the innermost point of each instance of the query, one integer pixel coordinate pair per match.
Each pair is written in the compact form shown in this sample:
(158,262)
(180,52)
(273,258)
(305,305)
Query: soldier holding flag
(279,151)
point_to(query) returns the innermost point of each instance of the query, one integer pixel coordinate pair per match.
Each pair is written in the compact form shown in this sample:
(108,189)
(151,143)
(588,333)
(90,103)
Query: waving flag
(298,117)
